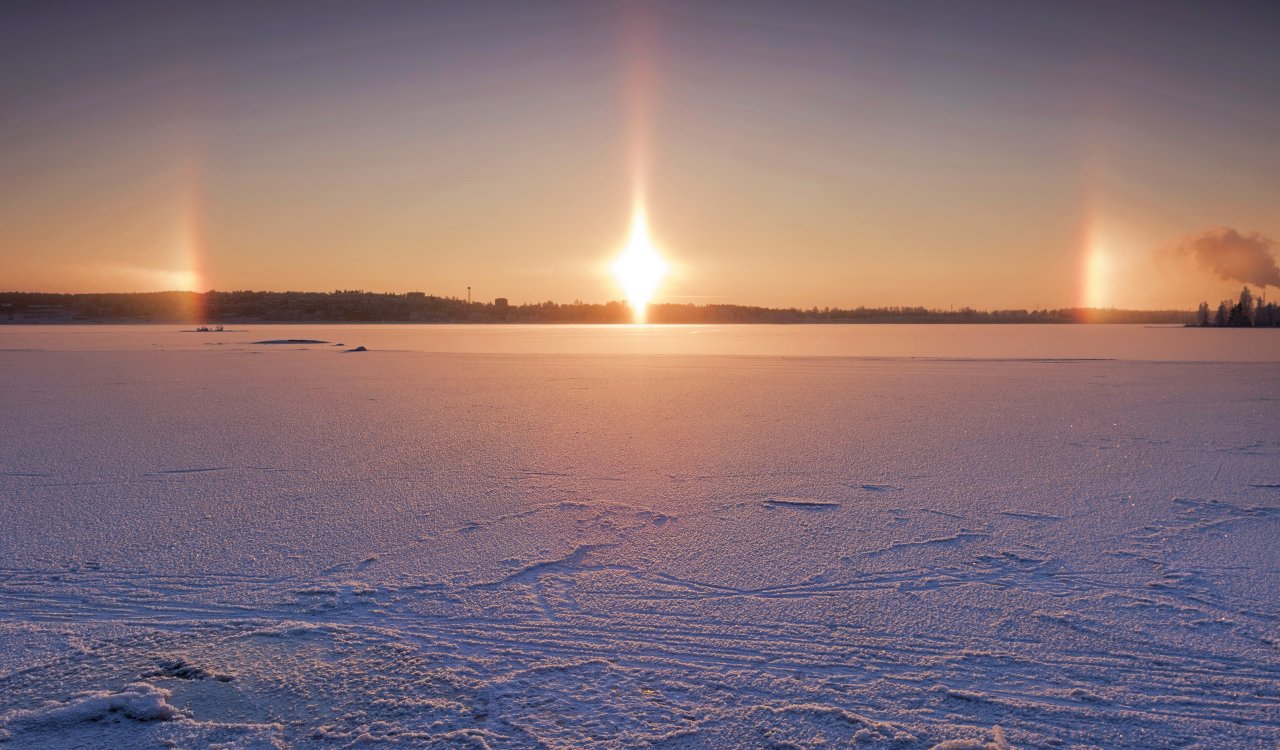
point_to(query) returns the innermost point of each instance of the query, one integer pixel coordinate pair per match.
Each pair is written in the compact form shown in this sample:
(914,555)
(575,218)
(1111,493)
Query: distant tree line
(1247,312)
(354,306)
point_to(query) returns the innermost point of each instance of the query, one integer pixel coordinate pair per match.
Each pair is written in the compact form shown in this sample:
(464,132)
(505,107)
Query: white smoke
(1233,256)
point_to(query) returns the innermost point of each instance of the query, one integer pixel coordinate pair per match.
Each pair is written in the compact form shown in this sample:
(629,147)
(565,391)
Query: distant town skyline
(991,154)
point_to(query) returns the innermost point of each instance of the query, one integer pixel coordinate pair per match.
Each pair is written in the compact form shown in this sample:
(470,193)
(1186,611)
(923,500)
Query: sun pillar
(639,269)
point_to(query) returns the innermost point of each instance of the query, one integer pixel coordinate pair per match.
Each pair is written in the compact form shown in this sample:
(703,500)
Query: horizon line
(576,303)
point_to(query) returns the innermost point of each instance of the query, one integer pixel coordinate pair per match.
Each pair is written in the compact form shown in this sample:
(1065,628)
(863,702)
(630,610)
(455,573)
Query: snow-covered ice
(1045,543)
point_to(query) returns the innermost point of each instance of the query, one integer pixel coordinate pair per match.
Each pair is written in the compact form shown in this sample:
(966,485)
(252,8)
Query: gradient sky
(992,154)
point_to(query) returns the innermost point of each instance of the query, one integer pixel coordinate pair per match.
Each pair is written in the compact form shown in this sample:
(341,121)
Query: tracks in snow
(590,604)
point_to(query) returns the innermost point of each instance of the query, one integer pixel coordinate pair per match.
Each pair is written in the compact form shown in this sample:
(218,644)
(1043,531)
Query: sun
(639,269)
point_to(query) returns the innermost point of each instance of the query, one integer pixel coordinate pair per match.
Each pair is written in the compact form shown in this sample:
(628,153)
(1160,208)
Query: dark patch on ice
(1081,694)
(960,537)
(1258,486)
(880,487)
(536,473)
(800,503)
(1018,360)
(292,341)
(185,471)
(355,567)
(1070,620)
(529,573)
(279,470)
(357,349)
(657,519)
(1030,515)
(182,669)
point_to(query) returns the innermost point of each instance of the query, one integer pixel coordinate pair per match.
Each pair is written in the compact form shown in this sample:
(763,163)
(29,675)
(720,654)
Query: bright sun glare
(639,269)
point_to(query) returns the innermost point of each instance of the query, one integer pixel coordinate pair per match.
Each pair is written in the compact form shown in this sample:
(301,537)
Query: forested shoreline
(1246,312)
(347,306)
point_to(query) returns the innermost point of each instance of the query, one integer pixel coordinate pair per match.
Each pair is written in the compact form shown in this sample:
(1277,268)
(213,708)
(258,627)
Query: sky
(984,154)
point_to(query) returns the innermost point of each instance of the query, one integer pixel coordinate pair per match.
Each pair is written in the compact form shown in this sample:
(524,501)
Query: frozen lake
(1128,342)
(684,537)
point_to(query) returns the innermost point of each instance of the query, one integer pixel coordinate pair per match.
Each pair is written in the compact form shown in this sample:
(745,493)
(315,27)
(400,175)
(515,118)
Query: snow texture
(236,546)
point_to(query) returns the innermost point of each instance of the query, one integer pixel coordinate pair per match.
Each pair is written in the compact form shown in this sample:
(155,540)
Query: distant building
(500,304)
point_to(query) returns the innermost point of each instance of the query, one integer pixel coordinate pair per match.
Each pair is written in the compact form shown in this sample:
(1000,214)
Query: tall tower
(468,295)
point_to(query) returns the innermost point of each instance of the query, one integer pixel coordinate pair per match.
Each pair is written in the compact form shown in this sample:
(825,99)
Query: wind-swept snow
(272,547)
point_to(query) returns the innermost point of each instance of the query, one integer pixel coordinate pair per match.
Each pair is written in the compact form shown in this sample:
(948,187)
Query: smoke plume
(1233,256)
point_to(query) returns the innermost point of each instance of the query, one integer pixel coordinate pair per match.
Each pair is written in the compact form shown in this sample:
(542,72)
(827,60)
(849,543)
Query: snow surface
(241,546)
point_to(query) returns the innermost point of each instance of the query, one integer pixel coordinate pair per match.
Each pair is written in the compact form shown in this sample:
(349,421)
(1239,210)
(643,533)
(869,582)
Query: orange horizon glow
(785,169)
